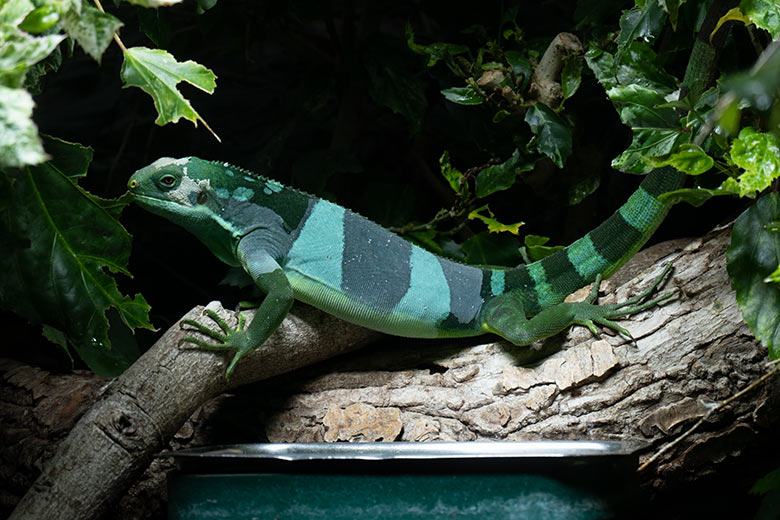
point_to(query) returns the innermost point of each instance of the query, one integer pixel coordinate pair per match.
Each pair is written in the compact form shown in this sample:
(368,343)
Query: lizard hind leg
(503,314)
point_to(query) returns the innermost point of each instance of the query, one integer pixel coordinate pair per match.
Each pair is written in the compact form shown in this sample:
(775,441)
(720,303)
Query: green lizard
(296,246)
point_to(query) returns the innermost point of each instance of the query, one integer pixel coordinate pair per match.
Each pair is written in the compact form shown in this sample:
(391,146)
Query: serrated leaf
(655,125)
(59,276)
(92,29)
(501,176)
(764,13)
(158,73)
(463,96)
(521,67)
(19,142)
(752,256)
(759,155)
(494,226)
(553,135)
(638,66)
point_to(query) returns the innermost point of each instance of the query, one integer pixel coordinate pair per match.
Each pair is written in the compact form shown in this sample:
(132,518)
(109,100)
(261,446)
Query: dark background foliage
(327,97)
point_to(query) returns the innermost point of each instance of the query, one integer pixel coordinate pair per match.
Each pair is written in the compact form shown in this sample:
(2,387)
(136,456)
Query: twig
(706,416)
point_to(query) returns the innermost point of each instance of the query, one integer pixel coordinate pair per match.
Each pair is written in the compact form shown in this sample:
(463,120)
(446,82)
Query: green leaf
(571,77)
(655,125)
(392,83)
(774,277)
(157,73)
(521,67)
(463,96)
(752,256)
(501,176)
(553,135)
(492,249)
(535,248)
(91,29)
(693,196)
(494,226)
(453,175)
(638,66)
(19,51)
(19,142)
(766,484)
(12,12)
(58,277)
(40,19)
(759,155)
(435,51)
(688,158)
(764,13)
(644,22)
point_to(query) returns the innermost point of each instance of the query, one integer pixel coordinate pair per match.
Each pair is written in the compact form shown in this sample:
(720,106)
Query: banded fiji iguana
(296,246)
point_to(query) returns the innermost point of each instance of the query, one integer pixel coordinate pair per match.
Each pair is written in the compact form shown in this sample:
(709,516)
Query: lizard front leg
(268,275)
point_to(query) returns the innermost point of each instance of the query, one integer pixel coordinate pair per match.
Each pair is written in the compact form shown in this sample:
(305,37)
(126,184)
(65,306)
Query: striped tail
(603,250)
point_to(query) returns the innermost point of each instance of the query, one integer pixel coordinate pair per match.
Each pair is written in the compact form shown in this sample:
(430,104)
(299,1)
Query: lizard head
(181,191)
(172,187)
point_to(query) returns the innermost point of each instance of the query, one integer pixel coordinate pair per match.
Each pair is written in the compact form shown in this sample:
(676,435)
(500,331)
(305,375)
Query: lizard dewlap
(297,246)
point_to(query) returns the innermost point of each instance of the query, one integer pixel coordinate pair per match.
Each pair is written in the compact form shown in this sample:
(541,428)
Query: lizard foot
(227,338)
(589,315)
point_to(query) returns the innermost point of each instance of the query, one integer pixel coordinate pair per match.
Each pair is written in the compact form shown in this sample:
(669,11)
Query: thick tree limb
(688,355)
(138,413)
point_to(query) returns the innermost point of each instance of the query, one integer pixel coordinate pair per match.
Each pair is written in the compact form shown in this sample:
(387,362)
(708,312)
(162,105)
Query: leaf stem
(116,36)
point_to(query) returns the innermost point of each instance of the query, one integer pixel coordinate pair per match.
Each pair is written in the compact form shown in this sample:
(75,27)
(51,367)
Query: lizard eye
(202,197)
(168,180)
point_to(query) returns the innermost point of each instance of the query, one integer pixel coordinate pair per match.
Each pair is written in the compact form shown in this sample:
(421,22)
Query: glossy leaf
(553,135)
(638,66)
(655,125)
(753,255)
(688,158)
(463,96)
(58,277)
(157,73)
(501,176)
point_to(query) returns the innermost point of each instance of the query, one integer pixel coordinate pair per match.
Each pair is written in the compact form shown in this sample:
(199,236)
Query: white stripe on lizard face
(162,162)
(182,193)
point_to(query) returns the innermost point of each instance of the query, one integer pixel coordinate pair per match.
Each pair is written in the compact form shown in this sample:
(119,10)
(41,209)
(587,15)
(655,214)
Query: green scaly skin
(296,246)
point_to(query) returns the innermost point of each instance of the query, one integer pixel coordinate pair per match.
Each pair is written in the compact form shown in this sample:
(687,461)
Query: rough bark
(687,355)
(137,414)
